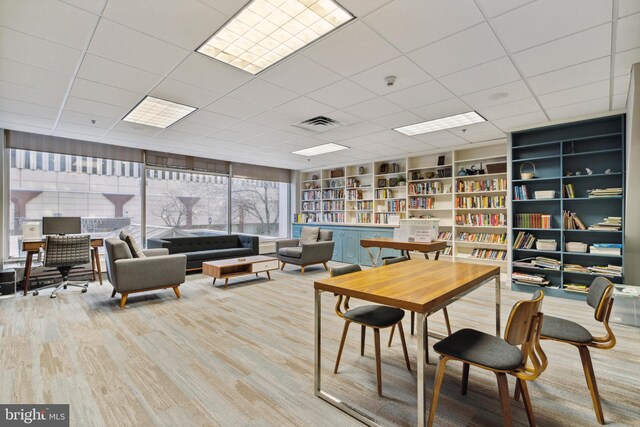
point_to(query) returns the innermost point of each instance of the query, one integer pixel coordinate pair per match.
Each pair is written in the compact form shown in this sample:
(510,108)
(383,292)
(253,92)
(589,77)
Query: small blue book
(607,245)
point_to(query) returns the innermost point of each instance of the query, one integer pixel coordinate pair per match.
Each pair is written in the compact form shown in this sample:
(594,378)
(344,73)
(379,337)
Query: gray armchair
(158,270)
(291,251)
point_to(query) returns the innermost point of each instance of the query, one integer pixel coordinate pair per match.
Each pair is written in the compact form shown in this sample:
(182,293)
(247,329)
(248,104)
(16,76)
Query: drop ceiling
(64,64)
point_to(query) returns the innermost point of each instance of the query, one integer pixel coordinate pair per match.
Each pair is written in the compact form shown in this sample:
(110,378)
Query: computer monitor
(61,225)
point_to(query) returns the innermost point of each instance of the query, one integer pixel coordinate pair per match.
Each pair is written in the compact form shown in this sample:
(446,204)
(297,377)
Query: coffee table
(235,267)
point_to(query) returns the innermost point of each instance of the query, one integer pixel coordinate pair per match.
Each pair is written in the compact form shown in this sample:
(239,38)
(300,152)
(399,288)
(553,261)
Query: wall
(632,224)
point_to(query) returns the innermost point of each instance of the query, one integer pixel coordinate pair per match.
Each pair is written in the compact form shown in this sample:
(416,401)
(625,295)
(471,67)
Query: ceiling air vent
(318,124)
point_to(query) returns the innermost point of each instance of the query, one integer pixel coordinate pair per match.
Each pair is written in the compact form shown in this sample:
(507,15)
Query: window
(259,207)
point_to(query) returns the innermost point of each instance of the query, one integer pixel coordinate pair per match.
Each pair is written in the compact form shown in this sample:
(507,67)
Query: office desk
(418,285)
(401,245)
(33,246)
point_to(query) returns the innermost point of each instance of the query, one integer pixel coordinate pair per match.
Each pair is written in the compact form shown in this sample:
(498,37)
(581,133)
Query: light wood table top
(240,261)
(418,285)
(404,245)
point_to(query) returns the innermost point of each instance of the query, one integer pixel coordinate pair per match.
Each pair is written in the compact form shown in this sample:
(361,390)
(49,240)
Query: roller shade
(75,147)
(264,173)
(187,163)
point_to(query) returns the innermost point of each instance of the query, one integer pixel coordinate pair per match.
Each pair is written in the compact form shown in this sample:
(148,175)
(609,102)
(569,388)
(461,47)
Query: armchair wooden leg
(282,264)
(177,291)
(442,365)
(505,398)
(527,401)
(465,378)
(404,346)
(591,382)
(123,300)
(516,393)
(445,312)
(393,329)
(376,338)
(363,336)
(113,294)
(344,336)
(302,270)
(325,266)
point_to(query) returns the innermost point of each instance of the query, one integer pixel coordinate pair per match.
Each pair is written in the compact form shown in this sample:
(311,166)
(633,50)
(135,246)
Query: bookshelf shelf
(590,153)
(593,175)
(592,198)
(534,180)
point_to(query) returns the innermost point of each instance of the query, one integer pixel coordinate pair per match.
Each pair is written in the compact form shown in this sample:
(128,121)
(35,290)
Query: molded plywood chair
(502,356)
(600,297)
(373,316)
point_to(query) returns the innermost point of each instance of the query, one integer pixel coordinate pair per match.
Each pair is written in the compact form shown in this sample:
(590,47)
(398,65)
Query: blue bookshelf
(558,152)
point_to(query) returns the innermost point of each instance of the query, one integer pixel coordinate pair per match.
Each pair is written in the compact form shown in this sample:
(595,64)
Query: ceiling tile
(24,108)
(361,8)
(38,52)
(81,105)
(49,21)
(574,95)
(351,49)
(496,95)
(186,23)
(300,74)
(493,8)
(273,119)
(303,108)
(67,128)
(574,111)
(510,124)
(621,84)
(210,119)
(460,51)
(373,108)
(228,7)
(249,128)
(130,47)
(628,35)
(112,73)
(410,24)
(263,93)
(406,72)
(490,74)
(624,60)
(39,78)
(478,132)
(102,93)
(400,119)
(444,139)
(14,119)
(94,6)
(422,94)
(569,77)
(31,95)
(85,120)
(229,136)
(130,129)
(278,136)
(628,7)
(192,128)
(619,102)
(230,106)
(528,105)
(564,52)
(438,110)
(341,94)
(545,20)
(208,73)
(183,138)
(183,93)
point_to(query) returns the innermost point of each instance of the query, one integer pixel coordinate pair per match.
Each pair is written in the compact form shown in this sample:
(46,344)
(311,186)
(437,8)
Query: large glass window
(186,203)
(259,207)
(106,203)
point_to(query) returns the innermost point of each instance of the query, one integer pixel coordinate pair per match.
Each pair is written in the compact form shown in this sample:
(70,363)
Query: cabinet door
(364,256)
(337,247)
(351,247)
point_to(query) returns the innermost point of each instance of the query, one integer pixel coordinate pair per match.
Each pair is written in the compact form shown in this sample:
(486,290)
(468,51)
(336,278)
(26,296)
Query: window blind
(264,173)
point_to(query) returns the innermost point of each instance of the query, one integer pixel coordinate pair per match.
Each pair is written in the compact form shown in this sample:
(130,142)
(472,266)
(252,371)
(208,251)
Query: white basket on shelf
(576,247)
(546,245)
(545,194)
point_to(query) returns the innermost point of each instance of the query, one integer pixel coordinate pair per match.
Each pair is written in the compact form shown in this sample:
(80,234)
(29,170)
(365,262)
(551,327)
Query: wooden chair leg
(505,398)
(325,266)
(282,264)
(363,336)
(376,339)
(302,270)
(123,300)
(516,393)
(465,378)
(590,375)
(177,291)
(442,365)
(404,346)
(445,312)
(522,385)
(113,294)
(413,321)
(344,336)
(393,329)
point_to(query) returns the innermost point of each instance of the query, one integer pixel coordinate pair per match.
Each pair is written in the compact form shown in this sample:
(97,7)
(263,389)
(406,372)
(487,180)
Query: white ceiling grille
(318,124)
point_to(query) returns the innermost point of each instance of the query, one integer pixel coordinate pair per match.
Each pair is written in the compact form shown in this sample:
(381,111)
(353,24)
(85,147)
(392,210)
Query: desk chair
(64,253)
(600,297)
(373,316)
(502,356)
(413,315)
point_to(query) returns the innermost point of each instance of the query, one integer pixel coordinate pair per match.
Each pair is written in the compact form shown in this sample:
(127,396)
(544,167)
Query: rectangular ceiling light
(463,119)
(158,112)
(266,31)
(320,149)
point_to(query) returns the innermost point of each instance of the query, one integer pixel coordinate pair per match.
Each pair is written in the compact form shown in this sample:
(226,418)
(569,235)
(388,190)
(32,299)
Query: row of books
(421,202)
(446,251)
(445,235)
(533,220)
(497,254)
(520,277)
(362,205)
(482,237)
(363,217)
(355,195)
(571,221)
(385,218)
(604,270)
(605,192)
(520,192)
(398,205)
(333,194)
(311,195)
(333,205)
(468,186)
(610,223)
(310,206)
(524,240)
(569,192)
(539,262)
(384,194)
(485,220)
(481,202)
(304,217)
(435,187)
(333,217)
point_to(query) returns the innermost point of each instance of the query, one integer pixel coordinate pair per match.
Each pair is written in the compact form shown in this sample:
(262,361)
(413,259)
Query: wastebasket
(7,283)
(626,305)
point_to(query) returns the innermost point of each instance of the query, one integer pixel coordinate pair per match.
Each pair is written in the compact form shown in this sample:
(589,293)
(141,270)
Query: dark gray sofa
(208,248)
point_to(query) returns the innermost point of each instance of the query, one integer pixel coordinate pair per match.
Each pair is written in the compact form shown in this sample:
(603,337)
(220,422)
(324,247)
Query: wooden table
(401,245)
(234,267)
(422,286)
(33,247)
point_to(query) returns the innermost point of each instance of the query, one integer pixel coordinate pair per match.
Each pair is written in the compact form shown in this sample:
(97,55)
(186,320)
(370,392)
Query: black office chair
(64,253)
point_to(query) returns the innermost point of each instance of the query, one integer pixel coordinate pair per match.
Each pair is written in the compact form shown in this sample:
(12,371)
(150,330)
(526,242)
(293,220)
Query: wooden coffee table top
(237,261)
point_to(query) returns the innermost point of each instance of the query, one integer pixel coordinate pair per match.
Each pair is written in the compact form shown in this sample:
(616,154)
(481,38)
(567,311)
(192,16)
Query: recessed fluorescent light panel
(458,120)
(267,31)
(158,112)
(320,149)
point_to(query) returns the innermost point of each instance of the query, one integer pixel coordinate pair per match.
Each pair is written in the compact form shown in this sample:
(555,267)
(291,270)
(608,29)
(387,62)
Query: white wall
(632,216)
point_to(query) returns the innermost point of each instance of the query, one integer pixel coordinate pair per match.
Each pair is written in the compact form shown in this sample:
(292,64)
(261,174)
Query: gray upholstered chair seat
(481,349)
(293,252)
(377,316)
(565,330)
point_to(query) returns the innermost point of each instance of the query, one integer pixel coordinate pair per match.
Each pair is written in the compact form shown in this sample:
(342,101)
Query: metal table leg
(374,260)
(422,347)
(497,282)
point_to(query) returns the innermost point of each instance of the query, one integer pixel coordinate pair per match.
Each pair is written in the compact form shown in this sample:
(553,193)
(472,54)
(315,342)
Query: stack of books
(576,287)
(606,248)
(610,223)
(569,193)
(576,268)
(608,270)
(538,262)
(571,221)
(533,220)
(605,192)
(524,240)
(521,278)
